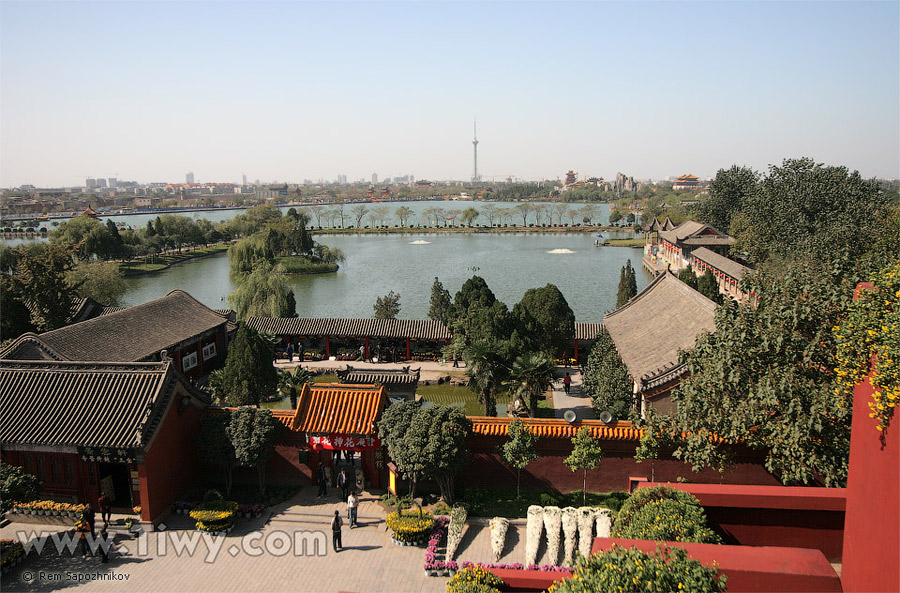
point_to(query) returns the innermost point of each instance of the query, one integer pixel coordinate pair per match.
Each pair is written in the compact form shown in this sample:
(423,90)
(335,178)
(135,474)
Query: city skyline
(270,90)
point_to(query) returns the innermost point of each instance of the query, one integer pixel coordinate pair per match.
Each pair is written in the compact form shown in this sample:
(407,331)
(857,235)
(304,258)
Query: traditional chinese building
(677,244)
(177,325)
(399,384)
(85,428)
(687,181)
(650,329)
(728,273)
(570,178)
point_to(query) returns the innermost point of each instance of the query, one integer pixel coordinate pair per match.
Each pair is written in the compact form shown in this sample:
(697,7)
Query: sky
(287,91)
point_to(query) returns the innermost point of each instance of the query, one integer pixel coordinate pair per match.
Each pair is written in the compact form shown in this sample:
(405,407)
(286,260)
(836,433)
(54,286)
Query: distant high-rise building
(244,179)
(90,183)
(101,182)
(113,182)
(189,178)
(374,178)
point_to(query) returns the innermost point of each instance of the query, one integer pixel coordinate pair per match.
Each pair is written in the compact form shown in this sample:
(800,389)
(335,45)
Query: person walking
(323,481)
(344,483)
(352,505)
(336,531)
(290,352)
(89,517)
(105,543)
(105,505)
(82,529)
(567,382)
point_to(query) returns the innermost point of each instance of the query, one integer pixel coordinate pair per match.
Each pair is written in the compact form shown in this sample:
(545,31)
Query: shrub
(618,569)
(474,579)
(663,514)
(214,513)
(410,526)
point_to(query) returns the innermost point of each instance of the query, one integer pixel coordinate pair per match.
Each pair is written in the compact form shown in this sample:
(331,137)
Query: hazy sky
(287,91)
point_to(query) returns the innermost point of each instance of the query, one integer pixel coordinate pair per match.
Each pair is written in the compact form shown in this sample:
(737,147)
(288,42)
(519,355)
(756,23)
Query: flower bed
(48,507)
(663,514)
(433,566)
(570,533)
(216,516)
(499,527)
(533,530)
(552,524)
(474,579)
(586,520)
(520,566)
(458,517)
(410,527)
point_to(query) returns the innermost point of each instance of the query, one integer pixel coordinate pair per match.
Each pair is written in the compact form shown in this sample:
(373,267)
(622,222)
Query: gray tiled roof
(650,329)
(586,331)
(416,329)
(130,335)
(85,404)
(384,377)
(720,262)
(689,233)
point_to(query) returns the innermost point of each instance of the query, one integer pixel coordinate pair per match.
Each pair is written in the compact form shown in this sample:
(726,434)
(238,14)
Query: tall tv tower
(475,175)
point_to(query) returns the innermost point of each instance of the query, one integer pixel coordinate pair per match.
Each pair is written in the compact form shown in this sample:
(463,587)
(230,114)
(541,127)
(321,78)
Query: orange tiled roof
(557,428)
(339,408)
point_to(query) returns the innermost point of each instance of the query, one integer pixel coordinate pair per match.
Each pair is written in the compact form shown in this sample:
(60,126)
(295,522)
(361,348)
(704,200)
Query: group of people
(87,525)
(344,481)
(290,350)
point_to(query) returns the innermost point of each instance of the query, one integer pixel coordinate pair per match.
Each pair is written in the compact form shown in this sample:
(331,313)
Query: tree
(438,434)
(524,210)
(545,318)
(490,211)
(519,450)
(468,216)
(264,293)
(727,193)
(16,318)
(485,369)
(359,211)
(248,374)
(16,485)
(627,285)
(40,278)
(102,282)
(606,378)
(529,377)
(765,378)
(586,454)
(214,445)
(806,207)
(252,432)
(388,306)
(688,276)
(403,214)
(440,302)
(709,287)
(392,428)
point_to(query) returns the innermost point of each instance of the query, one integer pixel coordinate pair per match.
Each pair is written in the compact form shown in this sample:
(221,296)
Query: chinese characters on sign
(343,442)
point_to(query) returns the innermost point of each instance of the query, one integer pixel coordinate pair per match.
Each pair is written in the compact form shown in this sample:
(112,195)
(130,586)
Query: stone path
(576,399)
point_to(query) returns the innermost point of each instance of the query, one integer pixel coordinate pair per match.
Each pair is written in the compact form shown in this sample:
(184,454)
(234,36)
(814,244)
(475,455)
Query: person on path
(290,352)
(344,483)
(89,517)
(105,543)
(352,505)
(336,531)
(323,481)
(362,353)
(567,381)
(105,505)
(82,529)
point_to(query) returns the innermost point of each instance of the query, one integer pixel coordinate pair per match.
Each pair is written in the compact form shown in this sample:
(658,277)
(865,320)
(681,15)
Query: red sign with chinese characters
(335,441)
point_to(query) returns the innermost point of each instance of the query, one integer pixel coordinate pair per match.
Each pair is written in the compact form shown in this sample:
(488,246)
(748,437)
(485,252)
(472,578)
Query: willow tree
(264,293)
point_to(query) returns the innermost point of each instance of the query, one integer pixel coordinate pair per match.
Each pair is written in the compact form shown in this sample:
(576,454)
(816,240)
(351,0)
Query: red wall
(171,464)
(872,536)
(794,517)
(618,465)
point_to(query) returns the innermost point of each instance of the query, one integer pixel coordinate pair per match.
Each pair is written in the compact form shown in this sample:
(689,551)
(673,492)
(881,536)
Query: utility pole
(475,176)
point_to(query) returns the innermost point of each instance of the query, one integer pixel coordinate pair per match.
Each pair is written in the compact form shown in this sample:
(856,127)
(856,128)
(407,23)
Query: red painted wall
(794,517)
(171,464)
(487,471)
(872,536)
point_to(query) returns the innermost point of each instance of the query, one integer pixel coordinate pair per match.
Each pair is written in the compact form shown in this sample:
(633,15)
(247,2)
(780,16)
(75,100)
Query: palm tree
(485,370)
(531,375)
(289,384)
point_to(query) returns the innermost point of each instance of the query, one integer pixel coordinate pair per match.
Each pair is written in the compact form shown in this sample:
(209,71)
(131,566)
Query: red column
(368,355)
(408,355)
(327,347)
(367,461)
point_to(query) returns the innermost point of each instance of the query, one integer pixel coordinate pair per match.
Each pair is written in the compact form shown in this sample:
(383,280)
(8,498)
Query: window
(189,361)
(209,351)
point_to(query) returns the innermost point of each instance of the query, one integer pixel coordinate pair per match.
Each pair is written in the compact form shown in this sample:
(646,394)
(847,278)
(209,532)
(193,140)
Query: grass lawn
(160,262)
(327,378)
(503,503)
(456,395)
(636,242)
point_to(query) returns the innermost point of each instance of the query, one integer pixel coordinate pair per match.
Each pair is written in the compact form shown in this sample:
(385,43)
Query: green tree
(726,196)
(606,378)
(16,485)
(393,427)
(468,216)
(264,293)
(627,285)
(103,282)
(388,306)
(249,375)
(530,376)
(586,454)
(15,319)
(519,450)
(403,214)
(41,278)
(486,371)
(546,320)
(214,445)
(807,207)
(765,378)
(247,253)
(708,286)
(253,432)
(688,276)
(438,435)
(440,302)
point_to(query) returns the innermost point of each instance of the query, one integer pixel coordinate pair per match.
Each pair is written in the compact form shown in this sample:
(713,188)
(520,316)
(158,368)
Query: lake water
(588,276)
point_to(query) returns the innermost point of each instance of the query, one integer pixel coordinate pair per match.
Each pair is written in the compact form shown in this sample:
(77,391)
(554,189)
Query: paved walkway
(575,400)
